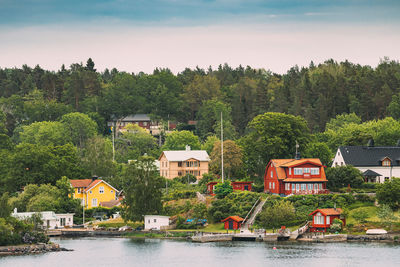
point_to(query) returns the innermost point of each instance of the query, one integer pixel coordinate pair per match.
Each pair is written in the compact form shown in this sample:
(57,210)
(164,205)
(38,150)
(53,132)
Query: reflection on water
(154,252)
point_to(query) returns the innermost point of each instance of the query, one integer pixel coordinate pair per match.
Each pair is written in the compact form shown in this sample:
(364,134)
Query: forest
(54,123)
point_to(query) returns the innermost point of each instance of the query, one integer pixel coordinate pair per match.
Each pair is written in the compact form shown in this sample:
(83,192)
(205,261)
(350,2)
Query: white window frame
(94,202)
(314,171)
(306,170)
(273,185)
(101,190)
(328,220)
(298,171)
(272,174)
(290,171)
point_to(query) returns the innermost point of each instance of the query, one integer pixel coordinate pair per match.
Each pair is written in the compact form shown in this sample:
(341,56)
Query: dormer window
(386,162)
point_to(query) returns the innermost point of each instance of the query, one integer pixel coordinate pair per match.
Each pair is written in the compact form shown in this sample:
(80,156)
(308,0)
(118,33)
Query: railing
(310,192)
(243,223)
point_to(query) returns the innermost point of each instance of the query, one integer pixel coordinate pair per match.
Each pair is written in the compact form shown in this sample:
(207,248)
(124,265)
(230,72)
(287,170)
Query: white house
(51,220)
(155,222)
(376,163)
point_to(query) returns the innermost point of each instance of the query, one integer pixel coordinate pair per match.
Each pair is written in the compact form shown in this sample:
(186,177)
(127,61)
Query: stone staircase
(255,210)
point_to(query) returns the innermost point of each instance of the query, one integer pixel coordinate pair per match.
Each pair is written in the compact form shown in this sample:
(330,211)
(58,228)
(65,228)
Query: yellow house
(181,162)
(93,192)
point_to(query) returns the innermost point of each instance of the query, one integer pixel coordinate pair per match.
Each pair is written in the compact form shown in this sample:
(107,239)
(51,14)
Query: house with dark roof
(295,176)
(377,164)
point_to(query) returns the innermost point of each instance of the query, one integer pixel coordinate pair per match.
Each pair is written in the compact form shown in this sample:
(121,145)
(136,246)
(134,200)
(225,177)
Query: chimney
(94,178)
(187,148)
(371,143)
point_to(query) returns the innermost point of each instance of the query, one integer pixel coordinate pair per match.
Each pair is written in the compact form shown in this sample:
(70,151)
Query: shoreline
(26,249)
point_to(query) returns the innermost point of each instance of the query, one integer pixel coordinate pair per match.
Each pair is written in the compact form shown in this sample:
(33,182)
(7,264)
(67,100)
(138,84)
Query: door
(246,187)
(231,225)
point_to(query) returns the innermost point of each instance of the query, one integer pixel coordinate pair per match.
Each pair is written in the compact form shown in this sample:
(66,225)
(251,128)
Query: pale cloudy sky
(141,35)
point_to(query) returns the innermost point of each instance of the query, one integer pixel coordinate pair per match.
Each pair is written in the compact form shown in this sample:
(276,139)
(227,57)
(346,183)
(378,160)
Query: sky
(140,35)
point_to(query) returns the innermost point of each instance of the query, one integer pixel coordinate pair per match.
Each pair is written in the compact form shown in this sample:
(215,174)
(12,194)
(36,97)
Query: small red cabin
(236,186)
(323,218)
(242,186)
(232,222)
(210,187)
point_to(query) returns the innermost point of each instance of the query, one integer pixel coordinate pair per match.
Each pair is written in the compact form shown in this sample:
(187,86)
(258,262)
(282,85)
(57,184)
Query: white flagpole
(222,150)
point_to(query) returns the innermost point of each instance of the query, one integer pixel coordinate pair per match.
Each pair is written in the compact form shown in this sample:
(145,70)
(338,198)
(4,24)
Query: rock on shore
(30,249)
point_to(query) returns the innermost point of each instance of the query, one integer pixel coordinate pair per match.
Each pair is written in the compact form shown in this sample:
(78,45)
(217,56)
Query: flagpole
(222,150)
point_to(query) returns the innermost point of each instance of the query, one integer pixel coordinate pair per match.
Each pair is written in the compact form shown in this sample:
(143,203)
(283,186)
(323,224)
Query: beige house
(181,162)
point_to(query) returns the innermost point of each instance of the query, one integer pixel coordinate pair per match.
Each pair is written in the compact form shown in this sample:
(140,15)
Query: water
(154,252)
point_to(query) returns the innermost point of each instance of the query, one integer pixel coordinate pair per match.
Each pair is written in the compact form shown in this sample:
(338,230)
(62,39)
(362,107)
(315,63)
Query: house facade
(232,222)
(93,192)
(295,176)
(50,219)
(155,222)
(182,162)
(377,164)
(323,218)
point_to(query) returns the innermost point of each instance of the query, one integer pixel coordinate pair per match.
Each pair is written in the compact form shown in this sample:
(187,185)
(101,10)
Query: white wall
(338,160)
(69,219)
(155,221)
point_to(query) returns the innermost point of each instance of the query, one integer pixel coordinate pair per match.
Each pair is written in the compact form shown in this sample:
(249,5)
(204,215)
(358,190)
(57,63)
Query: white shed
(155,222)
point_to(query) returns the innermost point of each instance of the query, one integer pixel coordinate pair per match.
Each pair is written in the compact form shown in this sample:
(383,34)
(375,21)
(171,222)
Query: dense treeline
(54,124)
(317,93)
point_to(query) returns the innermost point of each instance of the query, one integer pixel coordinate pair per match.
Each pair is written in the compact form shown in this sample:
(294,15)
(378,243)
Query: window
(145,123)
(297,187)
(314,171)
(148,221)
(90,191)
(155,220)
(112,191)
(269,185)
(341,163)
(179,163)
(290,171)
(306,170)
(94,202)
(79,190)
(273,185)
(101,190)
(179,173)
(386,162)
(303,187)
(320,186)
(318,218)
(272,174)
(298,171)
(293,187)
(199,163)
(328,220)
(310,186)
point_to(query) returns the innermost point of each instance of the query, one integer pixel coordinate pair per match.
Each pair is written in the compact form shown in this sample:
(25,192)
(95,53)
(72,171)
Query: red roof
(81,183)
(235,218)
(84,183)
(111,203)
(281,164)
(328,212)
(241,182)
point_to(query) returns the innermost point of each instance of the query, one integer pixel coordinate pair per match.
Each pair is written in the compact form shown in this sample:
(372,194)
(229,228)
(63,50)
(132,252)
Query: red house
(237,186)
(295,176)
(323,218)
(232,222)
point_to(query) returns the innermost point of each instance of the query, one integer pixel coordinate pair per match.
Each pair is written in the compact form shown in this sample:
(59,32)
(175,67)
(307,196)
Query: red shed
(210,187)
(242,186)
(323,218)
(232,222)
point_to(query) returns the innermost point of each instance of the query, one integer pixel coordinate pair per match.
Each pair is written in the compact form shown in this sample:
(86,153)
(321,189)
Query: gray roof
(136,117)
(182,155)
(369,156)
(371,173)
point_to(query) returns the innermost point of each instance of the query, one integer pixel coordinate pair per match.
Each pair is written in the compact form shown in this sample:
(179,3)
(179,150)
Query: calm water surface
(122,252)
